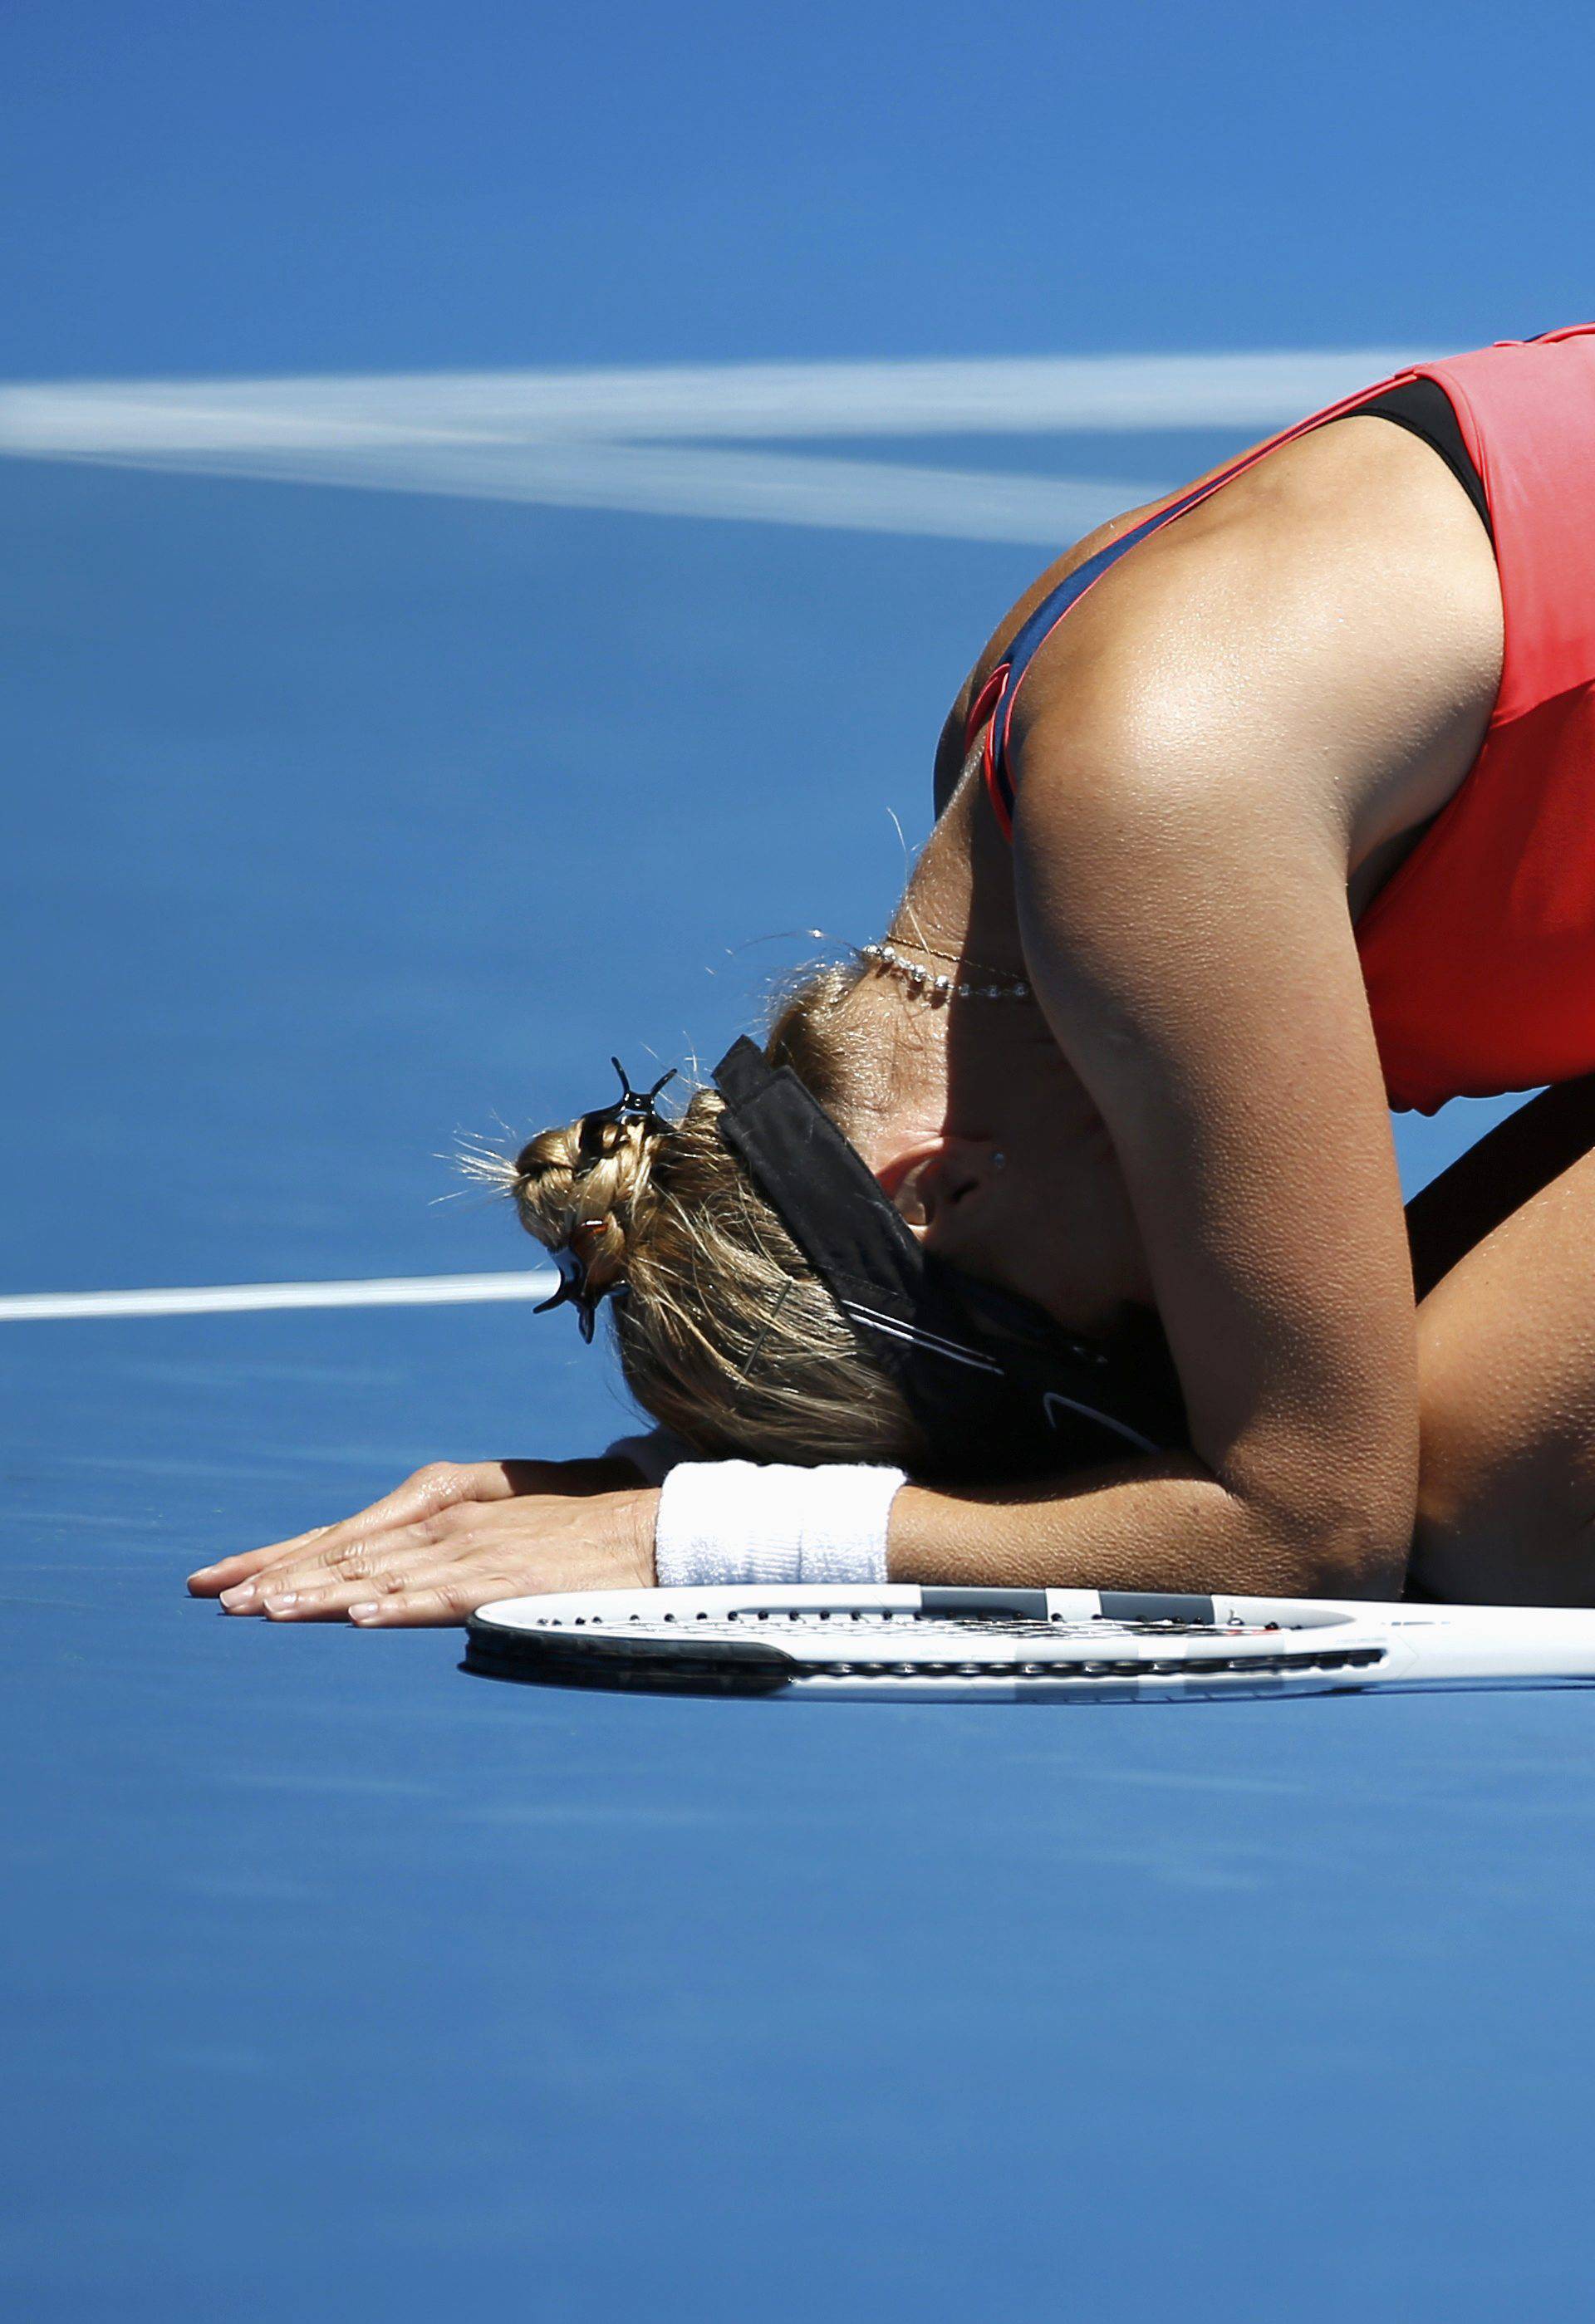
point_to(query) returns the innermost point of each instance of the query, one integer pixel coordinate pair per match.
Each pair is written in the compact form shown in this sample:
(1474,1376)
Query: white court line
(981,396)
(251,1298)
(668,480)
(641,441)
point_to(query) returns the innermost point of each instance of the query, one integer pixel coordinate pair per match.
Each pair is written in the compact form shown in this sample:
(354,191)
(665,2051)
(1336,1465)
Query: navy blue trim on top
(1419,404)
(1033,634)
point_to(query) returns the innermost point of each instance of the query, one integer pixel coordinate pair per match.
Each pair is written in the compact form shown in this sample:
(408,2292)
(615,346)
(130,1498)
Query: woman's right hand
(426,1496)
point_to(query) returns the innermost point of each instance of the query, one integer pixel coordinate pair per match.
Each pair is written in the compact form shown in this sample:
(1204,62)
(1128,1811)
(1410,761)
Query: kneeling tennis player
(1071,1200)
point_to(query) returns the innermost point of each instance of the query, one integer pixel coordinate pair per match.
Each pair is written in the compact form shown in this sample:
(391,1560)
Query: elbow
(1357,1552)
(1380,1576)
(1350,1560)
(1331,1521)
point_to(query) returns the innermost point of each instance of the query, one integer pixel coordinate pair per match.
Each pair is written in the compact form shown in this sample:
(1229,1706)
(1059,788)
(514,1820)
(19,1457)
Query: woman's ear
(928,1180)
(912,1181)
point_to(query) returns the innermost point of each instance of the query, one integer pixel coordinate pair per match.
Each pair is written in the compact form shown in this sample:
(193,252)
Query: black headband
(997,1385)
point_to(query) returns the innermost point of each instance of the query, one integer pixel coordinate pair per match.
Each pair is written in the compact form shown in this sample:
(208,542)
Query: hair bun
(572,1198)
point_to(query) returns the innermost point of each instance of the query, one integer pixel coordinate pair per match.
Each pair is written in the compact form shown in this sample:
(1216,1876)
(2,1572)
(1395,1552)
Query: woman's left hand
(449,1540)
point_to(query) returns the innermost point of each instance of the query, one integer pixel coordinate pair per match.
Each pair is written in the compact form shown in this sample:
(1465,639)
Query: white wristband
(724,1521)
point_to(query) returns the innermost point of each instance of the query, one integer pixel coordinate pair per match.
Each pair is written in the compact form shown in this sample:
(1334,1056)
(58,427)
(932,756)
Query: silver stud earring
(998,1161)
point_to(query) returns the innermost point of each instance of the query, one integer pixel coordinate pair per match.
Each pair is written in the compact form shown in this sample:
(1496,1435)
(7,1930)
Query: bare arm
(1238,1077)
(1189,780)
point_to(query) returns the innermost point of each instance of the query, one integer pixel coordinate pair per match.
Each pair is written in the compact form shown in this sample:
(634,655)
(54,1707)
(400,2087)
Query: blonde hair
(725,1333)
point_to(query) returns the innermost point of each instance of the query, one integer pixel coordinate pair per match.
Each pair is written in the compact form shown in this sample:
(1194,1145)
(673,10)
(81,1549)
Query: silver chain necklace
(923,980)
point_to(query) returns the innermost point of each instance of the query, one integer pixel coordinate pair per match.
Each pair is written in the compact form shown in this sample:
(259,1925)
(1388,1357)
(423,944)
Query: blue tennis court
(365,795)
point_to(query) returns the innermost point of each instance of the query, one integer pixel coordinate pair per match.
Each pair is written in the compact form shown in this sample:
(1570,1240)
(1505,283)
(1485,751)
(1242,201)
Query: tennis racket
(904,1643)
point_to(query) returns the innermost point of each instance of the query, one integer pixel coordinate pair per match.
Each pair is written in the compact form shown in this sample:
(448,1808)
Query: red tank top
(1479,952)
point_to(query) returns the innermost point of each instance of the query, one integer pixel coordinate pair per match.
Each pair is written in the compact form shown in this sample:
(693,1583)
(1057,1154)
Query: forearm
(1178,1528)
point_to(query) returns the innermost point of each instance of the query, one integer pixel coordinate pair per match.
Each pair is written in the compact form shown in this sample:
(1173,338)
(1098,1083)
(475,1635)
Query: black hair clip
(631,1105)
(573,1291)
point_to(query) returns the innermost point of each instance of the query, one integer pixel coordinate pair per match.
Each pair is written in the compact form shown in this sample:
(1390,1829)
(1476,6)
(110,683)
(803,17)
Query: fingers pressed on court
(210,1581)
(441,1485)
(432,1604)
(421,1553)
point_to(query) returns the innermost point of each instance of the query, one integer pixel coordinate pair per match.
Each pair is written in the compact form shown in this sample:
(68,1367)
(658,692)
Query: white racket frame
(1407,1645)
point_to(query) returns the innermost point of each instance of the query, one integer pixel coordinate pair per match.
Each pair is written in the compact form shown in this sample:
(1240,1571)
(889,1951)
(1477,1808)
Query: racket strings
(873,1642)
(1139,1667)
(815,1621)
